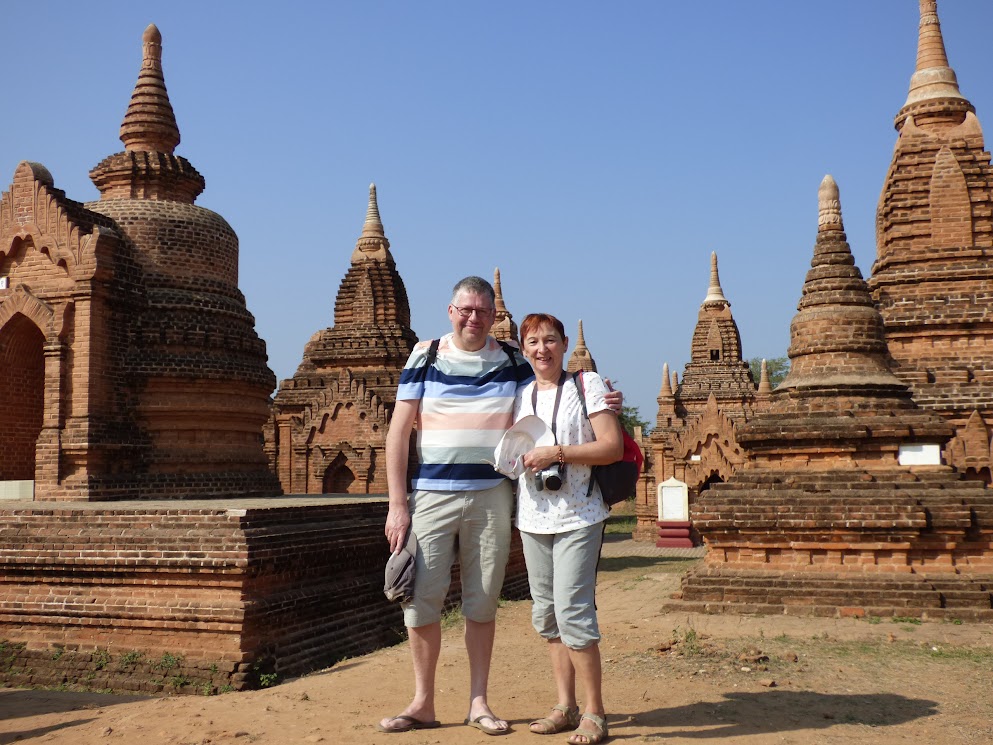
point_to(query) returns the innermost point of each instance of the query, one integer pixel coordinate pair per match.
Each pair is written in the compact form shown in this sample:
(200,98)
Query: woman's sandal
(592,738)
(550,727)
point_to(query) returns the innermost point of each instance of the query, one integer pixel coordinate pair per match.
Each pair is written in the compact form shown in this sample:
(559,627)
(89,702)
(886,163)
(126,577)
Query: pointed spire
(373,227)
(933,78)
(714,292)
(764,385)
(829,206)
(501,307)
(504,327)
(581,359)
(373,243)
(150,124)
(666,391)
(836,337)
(675,381)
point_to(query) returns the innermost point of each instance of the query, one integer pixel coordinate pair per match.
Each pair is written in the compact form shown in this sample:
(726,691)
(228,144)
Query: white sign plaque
(674,500)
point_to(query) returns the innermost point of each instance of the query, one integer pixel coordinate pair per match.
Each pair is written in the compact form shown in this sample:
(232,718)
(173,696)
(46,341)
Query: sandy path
(725,679)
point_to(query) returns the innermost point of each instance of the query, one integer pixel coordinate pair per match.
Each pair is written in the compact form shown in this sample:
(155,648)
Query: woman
(562,528)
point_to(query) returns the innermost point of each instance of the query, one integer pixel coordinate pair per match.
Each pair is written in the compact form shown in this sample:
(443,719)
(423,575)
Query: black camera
(550,478)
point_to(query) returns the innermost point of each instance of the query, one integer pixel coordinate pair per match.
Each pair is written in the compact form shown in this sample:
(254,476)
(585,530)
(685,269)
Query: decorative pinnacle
(675,380)
(829,206)
(581,342)
(373,227)
(714,293)
(149,123)
(666,391)
(501,306)
(764,385)
(933,77)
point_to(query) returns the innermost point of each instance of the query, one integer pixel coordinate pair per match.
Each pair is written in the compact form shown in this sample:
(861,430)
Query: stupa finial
(373,243)
(829,205)
(933,77)
(149,124)
(373,227)
(666,390)
(764,385)
(714,292)
(501,306)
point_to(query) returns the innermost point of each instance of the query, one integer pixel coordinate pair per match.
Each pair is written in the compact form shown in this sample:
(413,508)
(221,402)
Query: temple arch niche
(22,393)
(338,477)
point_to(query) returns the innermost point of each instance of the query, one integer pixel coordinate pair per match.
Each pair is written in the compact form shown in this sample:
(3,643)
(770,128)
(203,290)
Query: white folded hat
(528,433)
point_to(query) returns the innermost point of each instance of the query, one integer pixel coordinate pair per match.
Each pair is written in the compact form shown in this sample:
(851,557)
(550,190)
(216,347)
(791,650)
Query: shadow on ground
(665,563)
(25,703)
(765,712)
(30,734)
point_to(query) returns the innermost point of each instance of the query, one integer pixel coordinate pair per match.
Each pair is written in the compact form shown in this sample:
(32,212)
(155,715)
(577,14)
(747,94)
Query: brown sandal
(550,727)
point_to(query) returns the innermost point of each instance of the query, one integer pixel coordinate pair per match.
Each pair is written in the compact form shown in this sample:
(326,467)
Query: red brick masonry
(194,596)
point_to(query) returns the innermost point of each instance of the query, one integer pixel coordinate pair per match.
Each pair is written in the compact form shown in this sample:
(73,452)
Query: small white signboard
(920,454)
(674,500)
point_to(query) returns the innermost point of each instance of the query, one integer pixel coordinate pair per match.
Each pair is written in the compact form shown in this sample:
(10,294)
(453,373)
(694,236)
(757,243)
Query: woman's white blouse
(568,508)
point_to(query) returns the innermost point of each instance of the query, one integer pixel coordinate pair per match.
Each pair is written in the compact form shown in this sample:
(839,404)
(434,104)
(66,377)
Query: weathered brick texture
(327,431)
(194,596)
(125,318)
(933,275)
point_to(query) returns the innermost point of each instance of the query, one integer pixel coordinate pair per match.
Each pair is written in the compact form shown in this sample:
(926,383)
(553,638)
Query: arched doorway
(338,477)
(22,393)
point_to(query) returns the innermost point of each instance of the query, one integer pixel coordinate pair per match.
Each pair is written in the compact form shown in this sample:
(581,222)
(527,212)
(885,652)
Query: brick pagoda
(328,431)
(830,515)
(933,275)
(694,439)
(129,354)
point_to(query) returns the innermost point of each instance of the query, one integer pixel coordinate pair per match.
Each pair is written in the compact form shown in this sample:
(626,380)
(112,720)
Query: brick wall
(151,596)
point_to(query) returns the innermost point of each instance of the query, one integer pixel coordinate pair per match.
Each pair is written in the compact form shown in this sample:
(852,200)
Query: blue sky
(597,152)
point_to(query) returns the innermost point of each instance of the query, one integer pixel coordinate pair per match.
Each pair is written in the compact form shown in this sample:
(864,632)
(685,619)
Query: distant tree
(778,368)
(631,418)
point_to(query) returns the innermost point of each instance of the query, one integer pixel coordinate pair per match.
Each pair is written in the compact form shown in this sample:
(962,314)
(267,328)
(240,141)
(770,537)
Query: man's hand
(397,522)
(614,399)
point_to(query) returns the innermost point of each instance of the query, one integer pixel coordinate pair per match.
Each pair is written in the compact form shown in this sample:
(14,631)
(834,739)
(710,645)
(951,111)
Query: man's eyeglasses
(467,312)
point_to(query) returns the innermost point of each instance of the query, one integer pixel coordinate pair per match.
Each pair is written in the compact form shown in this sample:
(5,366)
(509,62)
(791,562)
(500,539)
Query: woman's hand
(541,458)
(614,399)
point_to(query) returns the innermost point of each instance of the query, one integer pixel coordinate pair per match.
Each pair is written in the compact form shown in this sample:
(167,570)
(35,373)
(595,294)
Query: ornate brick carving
(328,424)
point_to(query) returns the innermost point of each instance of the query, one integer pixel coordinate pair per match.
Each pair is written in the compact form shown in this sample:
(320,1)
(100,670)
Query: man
(462,401)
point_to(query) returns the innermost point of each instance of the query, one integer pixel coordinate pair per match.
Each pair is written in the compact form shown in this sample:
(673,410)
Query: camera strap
(555,409)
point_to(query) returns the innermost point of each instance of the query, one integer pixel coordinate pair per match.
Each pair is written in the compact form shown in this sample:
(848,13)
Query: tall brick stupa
(328,429)
(843,505)
(933,275)
(130,358)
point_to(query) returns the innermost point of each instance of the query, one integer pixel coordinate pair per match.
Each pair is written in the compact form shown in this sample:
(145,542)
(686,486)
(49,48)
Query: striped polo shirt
(467,403)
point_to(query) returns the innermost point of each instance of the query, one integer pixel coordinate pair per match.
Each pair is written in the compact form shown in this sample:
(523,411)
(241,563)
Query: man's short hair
(476,285)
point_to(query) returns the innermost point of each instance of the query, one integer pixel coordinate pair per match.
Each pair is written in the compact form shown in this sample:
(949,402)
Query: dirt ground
(677,677)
